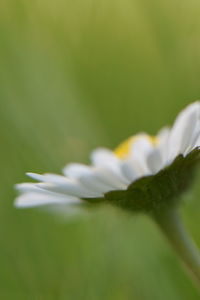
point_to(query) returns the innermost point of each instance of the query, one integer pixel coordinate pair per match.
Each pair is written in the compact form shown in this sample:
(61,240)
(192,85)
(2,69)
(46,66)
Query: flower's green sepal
(159,191)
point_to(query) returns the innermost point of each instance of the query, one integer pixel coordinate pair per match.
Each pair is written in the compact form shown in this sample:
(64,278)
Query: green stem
(171,224)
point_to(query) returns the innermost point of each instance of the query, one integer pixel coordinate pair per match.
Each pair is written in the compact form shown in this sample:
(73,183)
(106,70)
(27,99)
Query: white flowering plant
(146,174)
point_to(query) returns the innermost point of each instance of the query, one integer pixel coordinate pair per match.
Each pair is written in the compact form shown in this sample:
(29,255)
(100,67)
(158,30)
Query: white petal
(194,140)
(37,199)
(27,187)
(92,182)
(163,133)
(86,177)
(62,185)
(197,143)
(95,179)
(75,170)
(139,152)
(105,158)
(100,180)
(108,178)
(70,187)
(129,170)
(163,145)
(182,132)
(47,189)
(155,161)
(54,178)
(113,178)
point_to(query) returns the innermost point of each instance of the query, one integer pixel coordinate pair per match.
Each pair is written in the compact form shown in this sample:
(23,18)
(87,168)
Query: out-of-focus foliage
(75,75)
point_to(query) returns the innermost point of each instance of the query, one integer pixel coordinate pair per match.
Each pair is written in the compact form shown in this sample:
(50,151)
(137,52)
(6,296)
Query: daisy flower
(113,173)
(143,174)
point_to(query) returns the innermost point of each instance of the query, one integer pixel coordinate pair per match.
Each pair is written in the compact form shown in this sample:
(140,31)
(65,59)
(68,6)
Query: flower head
(141,173)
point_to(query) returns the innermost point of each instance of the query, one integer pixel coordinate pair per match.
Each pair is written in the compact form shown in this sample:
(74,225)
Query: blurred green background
(75,75)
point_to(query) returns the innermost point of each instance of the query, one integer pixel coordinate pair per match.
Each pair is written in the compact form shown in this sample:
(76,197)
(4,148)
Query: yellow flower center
(122,151)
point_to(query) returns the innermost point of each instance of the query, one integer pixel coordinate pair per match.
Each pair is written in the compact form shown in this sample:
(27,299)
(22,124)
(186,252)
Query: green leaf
(159,191)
